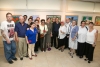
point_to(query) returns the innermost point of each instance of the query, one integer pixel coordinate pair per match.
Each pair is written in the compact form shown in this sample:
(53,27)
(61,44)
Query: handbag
(42,35)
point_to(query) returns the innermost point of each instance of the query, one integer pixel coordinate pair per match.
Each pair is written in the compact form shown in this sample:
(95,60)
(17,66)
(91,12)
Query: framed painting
(97,21)
(87,19)
(15,18)
(72,17)
(54,16)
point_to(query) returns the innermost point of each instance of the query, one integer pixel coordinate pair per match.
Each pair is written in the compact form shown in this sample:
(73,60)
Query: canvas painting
(35,16)
(87,19)
(72,17)
(15,18)
(97,20)
(54,16)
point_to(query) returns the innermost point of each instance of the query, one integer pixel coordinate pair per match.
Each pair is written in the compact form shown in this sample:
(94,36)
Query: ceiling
(88,0)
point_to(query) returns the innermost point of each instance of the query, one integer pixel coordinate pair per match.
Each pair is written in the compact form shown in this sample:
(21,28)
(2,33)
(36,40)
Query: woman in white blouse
(43,32)
(81,39)
(91,39)
(61,36)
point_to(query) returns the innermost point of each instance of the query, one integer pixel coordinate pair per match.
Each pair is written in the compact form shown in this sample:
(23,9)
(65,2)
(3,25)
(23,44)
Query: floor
(53,58)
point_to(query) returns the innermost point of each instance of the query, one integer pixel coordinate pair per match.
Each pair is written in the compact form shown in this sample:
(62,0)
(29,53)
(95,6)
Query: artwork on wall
(72,17)
(15,18)
(87,19)
(35,16)
(97,20)
(53,16)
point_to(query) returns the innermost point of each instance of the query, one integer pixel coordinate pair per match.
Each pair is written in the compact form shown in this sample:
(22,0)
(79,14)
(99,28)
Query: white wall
(61,8)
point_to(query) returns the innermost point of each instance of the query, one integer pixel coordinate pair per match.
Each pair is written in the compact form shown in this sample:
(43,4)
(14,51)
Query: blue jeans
(9,50)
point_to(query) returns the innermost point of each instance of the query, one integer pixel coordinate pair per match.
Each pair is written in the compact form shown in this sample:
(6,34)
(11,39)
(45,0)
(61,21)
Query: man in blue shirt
(20,30)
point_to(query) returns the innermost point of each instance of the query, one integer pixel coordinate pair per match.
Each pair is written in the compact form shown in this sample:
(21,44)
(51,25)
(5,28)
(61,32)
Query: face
(25,18)
(91,25)
(42,22)
(62,23)
(67,20)
(29,21)
(74,23)
(21,19)
(33,25)
(48,20)
(83,24)
(53,20)
(9,17)
(57,20)
(36,22)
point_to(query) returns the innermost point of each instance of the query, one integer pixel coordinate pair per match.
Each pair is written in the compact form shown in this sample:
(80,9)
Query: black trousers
(66,42)
(37,44)
(55,39)
(52,41)
(43,44)
(89,51)
(80,49)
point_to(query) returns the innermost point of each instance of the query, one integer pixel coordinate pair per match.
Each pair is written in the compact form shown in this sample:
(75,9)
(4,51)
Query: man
(7,31)
(67,24)
(55,29)
(25,18)
(20,30)
(52,38)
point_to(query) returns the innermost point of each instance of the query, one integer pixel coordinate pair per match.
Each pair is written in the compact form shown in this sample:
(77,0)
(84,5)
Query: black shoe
(89,62)
(85,59)
(21,58)
(15,59)
(26,56)
(10,62)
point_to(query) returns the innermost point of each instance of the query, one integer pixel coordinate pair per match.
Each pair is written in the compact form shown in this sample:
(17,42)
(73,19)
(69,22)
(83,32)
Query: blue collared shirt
(21,30)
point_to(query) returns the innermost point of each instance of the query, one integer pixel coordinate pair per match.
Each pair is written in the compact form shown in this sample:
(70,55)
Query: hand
(67,36)
(36,40)
(27,42)
(8,41)
(73,39)
(61,31)
(93,45)
(51,35)
(17,39)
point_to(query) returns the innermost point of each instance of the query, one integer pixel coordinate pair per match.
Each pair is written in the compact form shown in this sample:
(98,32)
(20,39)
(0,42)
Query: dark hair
(36,20)
(25,15)
(29,19)
(57,17)
(91,23)
(8,14)
(31,23)
(42,20)
(48,18)
(82,22)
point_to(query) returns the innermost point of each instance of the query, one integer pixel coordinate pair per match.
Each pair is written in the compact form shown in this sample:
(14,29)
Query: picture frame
(72,17)
(15,18)
(97,21)
(87,19)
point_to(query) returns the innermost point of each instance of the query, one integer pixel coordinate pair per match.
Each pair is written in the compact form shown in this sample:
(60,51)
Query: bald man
(20,30)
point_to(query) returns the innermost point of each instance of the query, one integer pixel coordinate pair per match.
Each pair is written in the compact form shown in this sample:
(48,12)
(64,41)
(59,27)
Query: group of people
(45,34)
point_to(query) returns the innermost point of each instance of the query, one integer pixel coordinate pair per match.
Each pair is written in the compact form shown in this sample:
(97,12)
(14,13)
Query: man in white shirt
(67,24)
(7,31)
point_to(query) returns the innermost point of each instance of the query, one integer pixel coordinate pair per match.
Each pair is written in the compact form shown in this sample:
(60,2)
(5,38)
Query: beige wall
(58,9)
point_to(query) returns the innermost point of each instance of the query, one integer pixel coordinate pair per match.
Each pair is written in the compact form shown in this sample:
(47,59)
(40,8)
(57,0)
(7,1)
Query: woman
(91,39)
(43,32)
(73,38)
(49,34)
(61,36)
(31,38)
(38,40)
(81,39)
(29,21)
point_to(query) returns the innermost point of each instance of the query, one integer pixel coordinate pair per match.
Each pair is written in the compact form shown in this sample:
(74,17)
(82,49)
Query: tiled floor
(53,58)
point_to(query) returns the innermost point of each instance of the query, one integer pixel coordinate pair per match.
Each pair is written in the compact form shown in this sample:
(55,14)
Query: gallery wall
(50,7)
